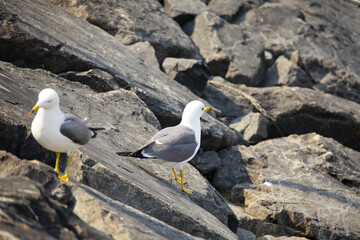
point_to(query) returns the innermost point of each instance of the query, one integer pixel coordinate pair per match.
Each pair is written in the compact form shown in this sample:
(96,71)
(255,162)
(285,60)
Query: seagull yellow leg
(182,184)
(65,176)
(57,162)
(176,178)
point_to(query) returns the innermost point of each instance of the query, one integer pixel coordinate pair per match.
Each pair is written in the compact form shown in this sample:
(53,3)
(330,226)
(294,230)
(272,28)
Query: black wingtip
(94,129)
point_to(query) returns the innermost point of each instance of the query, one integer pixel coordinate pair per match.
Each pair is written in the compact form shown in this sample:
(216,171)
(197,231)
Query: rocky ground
(280,153)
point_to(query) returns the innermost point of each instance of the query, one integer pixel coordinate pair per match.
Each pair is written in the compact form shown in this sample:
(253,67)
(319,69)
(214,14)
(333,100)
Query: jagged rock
(312,30)
(121,112)
(244,234)
(67,48)
(146,52)
(237,193)
(189,72)
(102,213)
(285,72)
(312,182)
(227,56)
(268,237)
(226,9)
(253,127)
(28,213)
(183,11)
(135,21)
(97,79)
(305,110)
(206,162)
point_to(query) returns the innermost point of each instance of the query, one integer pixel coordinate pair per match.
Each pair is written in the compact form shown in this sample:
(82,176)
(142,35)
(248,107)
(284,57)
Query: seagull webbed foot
(63,177)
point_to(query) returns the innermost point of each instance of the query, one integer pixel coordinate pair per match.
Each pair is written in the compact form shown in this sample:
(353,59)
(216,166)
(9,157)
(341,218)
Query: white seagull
(176,145)
(57,131)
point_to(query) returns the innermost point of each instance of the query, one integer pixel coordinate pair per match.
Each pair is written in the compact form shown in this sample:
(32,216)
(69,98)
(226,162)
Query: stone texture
(311,187)
(206,162)
(67,48)
(253,127)
(305,110)
(139,184)
(226,9)
(135,21)
(189,72)
(146,52)
(183,11)
(286,73)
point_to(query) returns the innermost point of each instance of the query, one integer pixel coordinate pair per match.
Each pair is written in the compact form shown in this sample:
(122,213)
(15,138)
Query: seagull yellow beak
(34,109)
(207,109)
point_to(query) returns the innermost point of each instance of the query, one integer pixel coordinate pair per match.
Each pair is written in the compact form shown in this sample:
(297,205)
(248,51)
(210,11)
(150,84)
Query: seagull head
(193,110)
(47,99)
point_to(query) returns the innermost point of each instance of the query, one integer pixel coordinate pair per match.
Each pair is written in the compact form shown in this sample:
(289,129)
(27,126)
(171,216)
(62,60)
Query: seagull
(57,131)
(178,144)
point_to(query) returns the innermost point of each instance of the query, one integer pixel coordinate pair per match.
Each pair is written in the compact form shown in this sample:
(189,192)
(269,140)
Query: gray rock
(97,165)
(189,72)
(28,212)
(239,61)
(253,127)
(237,193)
(183,11)
(100,212)
(302,188)
(97,79)
(305,110)
(206,162)
(135,21)
(67,48)
(286,73)
(244,234)
(146,52)
(269,237)
(312,30)
(226,9)
(231,171)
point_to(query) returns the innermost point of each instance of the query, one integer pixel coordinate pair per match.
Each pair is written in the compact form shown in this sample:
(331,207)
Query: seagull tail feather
(94,129)
(136,154)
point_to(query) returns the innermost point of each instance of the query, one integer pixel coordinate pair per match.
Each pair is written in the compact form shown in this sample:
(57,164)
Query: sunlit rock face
(279,156)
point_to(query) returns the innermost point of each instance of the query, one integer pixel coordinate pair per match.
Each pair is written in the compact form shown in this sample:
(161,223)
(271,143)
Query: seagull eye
(202,108)
(49,101)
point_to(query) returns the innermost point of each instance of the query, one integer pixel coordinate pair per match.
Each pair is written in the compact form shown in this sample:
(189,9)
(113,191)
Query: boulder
(206,162)
(305,111)
(67,48)
(189,72)
(135,21)
(312,182)
(146,52)
(226,9)
(286,73)
(183,11)
(253,127)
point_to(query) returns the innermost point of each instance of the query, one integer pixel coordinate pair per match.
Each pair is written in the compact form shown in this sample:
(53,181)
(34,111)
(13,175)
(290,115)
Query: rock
(244,234)
(48,47)
(183,11)
(237,193)
(146,52)
(268,237)
(132,22)
(226,9)
(285,72)
(306,28)
(102,213)
(189,72)
(303,188)
(253,127)
(226,56)
(231,171)
(121,112)
(206,162)
(305,110)
(97,79)
(29,213)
